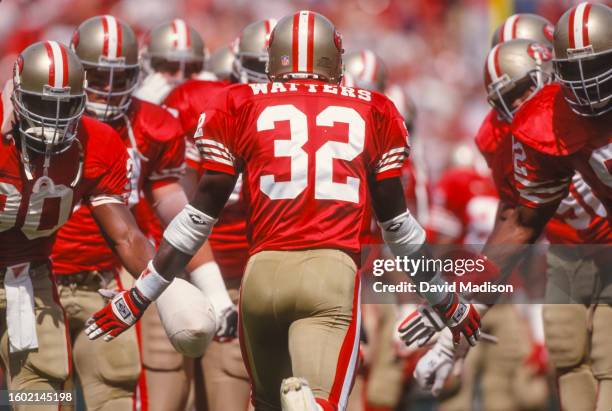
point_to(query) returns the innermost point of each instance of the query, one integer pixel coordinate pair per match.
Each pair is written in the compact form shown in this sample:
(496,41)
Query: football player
(299,306)
(366,70)
(523,68)
(221,63)
(226,382)
(560,136)
(52,159)
(108,50)
(173,52)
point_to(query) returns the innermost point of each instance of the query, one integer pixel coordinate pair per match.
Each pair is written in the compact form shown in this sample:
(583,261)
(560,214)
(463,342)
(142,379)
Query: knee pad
(566,335)
(601,343)
(187,317)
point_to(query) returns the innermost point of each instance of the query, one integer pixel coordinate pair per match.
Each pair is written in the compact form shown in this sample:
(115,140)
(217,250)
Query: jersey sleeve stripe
(528,183)
(213,143)
(213,158)
(391,152)
(215,152)
(105,199)
(397,157)
(390,166)
(538,199)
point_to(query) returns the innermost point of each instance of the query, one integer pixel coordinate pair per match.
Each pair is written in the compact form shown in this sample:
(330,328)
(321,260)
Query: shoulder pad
(547,124)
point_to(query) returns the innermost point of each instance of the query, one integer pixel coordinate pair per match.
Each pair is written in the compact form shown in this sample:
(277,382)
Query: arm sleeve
(540,180)
(391,148)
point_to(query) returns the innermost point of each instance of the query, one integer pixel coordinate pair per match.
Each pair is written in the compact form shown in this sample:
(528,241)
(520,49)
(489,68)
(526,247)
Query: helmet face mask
(47,121)
(251,54)
(47,106)
(109,90)
(252,67)
(587,82)
(583,49)
(177,70)
(108,50)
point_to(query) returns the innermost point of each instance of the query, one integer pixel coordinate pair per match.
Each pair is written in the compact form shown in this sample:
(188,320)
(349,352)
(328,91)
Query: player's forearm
(134,251)
(515,228)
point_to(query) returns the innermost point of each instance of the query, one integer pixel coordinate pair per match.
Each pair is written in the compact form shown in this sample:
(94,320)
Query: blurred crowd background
(435,48)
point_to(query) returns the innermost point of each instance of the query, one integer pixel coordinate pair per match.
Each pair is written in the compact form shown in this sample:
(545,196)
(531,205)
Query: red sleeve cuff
(211,165)
(394,172)
(163,182)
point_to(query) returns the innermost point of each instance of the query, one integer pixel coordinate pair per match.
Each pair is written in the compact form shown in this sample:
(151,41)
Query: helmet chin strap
(103,111)
(25,158)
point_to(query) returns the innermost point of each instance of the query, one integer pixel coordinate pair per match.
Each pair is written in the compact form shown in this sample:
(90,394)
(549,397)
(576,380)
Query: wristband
(150,283)
(189,230)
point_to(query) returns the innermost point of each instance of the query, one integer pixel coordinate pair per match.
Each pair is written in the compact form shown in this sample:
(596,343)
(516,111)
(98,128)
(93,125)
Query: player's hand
(460,317)
(228,325)
(420,326)
(125,308)
(434,367)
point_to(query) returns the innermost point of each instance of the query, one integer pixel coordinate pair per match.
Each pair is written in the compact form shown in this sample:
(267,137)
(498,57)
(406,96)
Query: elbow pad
(403,234)
(189,230)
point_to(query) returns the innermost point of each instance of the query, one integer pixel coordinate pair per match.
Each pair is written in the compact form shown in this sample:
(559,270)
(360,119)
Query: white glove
(227,328)
(436,365)
(154,88)
(208,279)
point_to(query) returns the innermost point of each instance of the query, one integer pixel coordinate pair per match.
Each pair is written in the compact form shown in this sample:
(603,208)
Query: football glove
(228,325)
(435,366)
(420,326)
(460,317)
(123,310)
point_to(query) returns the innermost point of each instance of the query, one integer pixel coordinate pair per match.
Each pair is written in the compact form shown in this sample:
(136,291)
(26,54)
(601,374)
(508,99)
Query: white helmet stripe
(181,34)
(113,43)
(508,31)
(492,64)
(578,25)
(58,64)
(303,41)
(369,66)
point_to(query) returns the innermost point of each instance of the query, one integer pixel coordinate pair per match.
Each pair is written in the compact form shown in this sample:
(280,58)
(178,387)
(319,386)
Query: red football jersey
(31,211)
(464,205)
(580,218)
(156,151)
(229,237)
(306,149)
(189,100)
(551,142)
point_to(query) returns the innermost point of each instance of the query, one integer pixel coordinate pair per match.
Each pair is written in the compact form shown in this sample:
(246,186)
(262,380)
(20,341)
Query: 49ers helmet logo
(549,30)
(19,64)
(74,42)
(539,52)
(338,40)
